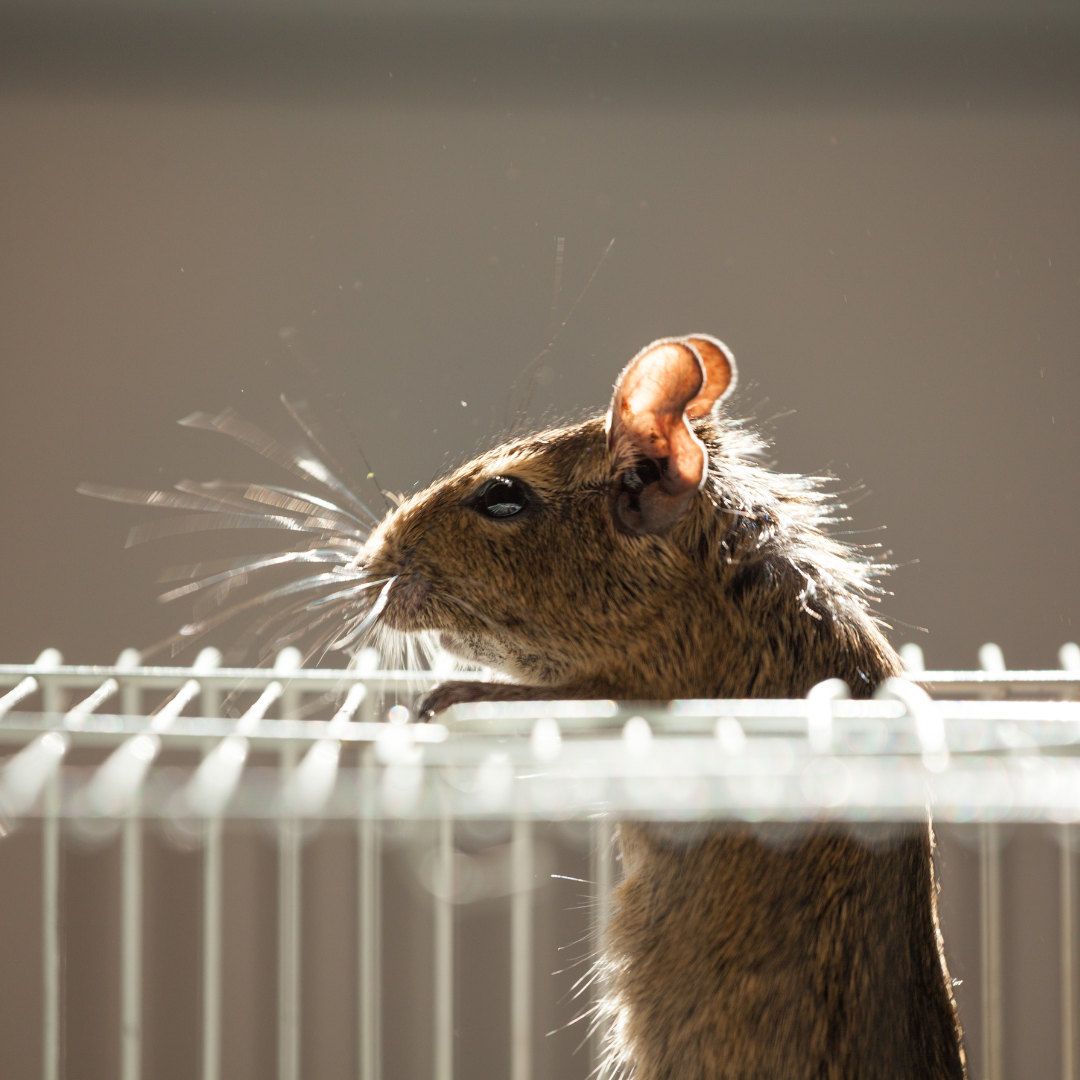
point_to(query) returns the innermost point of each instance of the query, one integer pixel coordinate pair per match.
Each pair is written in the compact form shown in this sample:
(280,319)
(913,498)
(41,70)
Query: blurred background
(387,209)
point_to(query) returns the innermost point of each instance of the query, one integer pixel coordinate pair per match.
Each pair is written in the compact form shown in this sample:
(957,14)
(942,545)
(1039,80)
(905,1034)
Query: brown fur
(819,959)
(727,957)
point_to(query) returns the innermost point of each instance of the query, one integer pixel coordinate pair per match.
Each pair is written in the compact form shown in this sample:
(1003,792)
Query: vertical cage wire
(289,895)
(130,697)
(131,871)
(131,896)
(51,702)
(1068,955)
(211,942)
(1069,659)
(990,927)
(521,946)
(444,951)
(369,886)
(603,839)
(211,914)
(991,660)
(50,926)
(288,935)
(54,690)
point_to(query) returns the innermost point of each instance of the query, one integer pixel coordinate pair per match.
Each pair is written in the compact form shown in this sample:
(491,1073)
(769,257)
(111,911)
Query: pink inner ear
(719,365)
(647,411)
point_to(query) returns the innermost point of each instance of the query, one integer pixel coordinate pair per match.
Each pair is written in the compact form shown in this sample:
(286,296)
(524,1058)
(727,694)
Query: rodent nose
(383,561)
(411,588)
(407,602)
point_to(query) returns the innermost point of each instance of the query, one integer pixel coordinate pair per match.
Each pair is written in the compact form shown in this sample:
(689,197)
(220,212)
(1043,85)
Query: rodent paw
(451,693)
(458,693)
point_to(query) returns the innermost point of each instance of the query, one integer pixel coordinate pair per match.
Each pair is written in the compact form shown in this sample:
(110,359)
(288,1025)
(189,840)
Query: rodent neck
(706,649)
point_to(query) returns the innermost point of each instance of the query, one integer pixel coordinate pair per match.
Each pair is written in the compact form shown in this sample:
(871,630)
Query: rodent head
(602,556)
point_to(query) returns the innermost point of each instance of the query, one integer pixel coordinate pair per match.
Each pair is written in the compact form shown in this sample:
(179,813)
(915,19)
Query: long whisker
(304,584)
(286,499)
(334,403)
(193,631)
(289,637)
(532,367)
(228,496)
(189,571)
(167,499)
(155,530)
(378,607)
(466,606)
(299,412)
(202,497)
(300,461)
(296,621)
(296,618)
(324,610)
(212,600)
(300,503)
(345,550)
(349,593)
(275,624)
(372,616)
(328,642)
(248,567)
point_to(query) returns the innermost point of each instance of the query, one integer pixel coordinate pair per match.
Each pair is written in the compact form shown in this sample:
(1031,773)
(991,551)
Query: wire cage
(980,749)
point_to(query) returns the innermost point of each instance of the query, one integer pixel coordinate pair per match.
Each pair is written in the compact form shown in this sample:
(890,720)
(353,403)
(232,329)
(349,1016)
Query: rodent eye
(502,497)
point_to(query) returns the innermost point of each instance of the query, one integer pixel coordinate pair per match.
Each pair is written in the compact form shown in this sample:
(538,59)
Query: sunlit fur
(746,596)
(727,956)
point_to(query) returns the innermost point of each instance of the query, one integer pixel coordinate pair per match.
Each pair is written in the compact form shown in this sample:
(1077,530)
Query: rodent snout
(406,601)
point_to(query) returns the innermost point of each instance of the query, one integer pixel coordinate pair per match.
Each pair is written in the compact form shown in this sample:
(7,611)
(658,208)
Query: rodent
(641,555)
(647,555)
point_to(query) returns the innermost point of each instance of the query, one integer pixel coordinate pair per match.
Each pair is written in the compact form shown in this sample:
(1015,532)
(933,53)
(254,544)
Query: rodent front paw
(451,693)
(458,693)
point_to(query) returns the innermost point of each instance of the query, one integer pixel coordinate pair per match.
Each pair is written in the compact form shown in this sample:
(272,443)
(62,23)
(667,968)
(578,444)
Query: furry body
(815,960)
(744,597)
(642,556)
(727,957)
(648,556)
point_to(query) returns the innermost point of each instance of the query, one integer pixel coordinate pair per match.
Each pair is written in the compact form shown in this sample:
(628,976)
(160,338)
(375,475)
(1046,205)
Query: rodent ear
(668,383)
(721,375)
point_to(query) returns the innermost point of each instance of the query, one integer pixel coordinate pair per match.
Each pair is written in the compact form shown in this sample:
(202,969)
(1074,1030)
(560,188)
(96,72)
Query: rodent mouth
(407,602)
(456,646)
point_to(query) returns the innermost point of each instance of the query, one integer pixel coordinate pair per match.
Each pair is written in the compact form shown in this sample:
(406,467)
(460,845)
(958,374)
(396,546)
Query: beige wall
(882,222)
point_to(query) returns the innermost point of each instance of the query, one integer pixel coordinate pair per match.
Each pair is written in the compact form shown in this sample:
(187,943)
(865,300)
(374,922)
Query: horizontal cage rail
(972,746)
(979,747)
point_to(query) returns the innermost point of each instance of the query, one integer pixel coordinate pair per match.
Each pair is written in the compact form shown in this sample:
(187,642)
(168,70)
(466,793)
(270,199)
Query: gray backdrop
(879,216)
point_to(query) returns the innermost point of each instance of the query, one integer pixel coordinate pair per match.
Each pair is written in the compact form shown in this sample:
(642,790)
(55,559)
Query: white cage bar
(983,747)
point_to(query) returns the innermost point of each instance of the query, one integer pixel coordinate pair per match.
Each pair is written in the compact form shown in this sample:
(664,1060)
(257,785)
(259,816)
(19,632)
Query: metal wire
(444,953)
(521,946)
(986,747)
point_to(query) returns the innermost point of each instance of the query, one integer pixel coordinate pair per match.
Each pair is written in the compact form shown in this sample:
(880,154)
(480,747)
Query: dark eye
(502,497)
